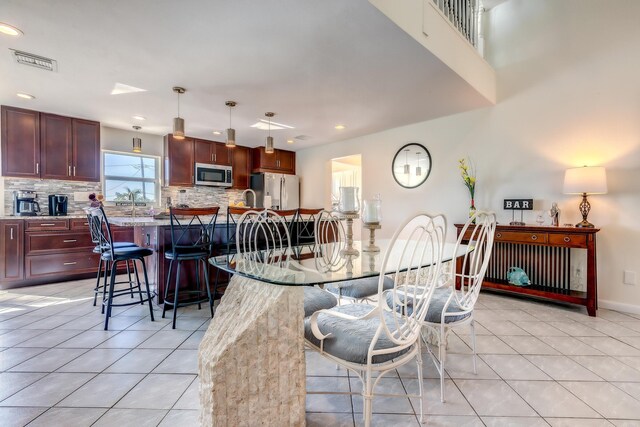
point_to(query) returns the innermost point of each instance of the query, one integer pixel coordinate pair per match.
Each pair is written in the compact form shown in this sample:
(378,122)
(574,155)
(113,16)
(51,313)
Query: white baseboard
(619,306)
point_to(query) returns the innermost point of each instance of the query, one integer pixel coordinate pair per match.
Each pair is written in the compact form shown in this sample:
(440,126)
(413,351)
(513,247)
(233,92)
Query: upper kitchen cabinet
(20,143)
(49,146)
(241,167)
(281,161)
(179,161)
(85,150)
(55,147)
(216,153)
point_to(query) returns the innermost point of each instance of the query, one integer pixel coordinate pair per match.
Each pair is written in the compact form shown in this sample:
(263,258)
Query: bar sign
(518,204)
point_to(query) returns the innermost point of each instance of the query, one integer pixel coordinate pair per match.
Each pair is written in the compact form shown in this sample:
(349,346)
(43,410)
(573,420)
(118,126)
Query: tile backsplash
(193,196)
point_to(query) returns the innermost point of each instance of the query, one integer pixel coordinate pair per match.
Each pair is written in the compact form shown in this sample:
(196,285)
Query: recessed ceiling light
(120,88)
(25,95)
(217,132)
(339,127)
(290,141)
(9,30)
(141,118)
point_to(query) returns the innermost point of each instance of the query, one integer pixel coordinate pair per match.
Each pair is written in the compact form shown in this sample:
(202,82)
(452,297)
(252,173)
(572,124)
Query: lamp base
(585,224)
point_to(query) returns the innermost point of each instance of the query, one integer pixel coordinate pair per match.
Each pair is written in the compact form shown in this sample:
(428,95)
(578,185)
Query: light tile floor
(540,365)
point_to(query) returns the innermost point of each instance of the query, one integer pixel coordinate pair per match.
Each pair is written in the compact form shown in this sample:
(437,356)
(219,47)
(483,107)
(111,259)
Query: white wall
(122,140)
(568,95)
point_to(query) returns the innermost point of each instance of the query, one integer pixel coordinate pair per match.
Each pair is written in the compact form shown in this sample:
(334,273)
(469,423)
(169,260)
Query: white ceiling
(314,63)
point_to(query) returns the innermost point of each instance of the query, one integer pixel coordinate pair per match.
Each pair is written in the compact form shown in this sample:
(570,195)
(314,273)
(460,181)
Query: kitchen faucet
(247,199)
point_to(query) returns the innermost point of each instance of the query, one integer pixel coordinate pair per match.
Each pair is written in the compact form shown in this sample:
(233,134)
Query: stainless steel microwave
(214,175)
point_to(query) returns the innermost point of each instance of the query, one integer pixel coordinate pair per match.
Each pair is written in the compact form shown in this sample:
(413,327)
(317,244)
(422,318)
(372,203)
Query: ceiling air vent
(37,61)
(302,137)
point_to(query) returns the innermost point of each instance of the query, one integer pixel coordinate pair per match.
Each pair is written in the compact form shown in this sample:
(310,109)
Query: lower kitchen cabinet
(43,250)
(11,250)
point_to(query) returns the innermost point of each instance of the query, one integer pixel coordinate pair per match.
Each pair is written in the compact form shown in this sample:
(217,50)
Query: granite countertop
(149,221)
(43,217)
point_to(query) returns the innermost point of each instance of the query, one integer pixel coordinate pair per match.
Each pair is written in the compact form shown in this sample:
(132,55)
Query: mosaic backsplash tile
(194,197)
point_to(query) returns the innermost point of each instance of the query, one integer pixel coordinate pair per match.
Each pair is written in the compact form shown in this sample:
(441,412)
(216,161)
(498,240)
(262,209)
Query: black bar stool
(94,230)
(115,256)
(191,240)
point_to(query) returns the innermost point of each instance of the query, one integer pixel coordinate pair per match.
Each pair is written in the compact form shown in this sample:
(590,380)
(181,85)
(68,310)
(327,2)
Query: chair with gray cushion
(452,303)
(370,339)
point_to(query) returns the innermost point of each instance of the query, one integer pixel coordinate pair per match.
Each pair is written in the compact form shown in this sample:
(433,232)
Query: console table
(544,253)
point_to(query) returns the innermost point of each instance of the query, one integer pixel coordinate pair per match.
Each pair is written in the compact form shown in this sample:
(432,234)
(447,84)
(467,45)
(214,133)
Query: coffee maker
(24,203)
(58,204)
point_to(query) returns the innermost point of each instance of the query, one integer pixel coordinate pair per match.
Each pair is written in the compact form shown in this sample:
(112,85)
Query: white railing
(464,15)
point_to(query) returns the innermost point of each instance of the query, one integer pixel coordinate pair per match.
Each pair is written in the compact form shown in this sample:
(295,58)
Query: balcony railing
(464,15)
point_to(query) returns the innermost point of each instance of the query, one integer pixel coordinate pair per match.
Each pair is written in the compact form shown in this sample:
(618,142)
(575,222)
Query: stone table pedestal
(251,359)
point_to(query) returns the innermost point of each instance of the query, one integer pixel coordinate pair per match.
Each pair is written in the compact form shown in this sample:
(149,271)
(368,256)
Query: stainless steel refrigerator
(282,190)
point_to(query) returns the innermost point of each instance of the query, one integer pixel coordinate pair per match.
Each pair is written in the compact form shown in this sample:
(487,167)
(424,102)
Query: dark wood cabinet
(86,150)
(287,161)
(179,161)
(241,167)
(20,142)
(11,250)
(49,146)
(43,250)
(280,161)
(55,146)
(211,152)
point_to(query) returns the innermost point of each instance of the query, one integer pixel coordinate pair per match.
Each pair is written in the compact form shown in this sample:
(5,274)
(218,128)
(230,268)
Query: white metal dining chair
(453,302)
(368,339)
(263,245)
(329,229)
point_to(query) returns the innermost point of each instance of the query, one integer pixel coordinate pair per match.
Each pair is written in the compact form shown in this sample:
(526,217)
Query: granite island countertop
(149,221)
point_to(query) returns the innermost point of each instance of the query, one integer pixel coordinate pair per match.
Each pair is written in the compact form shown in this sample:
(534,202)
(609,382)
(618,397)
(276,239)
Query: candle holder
(349,217)
(372,227)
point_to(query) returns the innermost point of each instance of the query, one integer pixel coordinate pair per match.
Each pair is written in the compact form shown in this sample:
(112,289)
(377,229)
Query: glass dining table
(251,359)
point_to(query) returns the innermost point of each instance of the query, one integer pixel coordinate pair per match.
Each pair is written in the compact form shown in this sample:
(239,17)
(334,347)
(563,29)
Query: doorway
(347,172)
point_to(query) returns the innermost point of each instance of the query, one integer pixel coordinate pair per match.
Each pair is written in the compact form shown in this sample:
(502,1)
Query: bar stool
(115,256)
(94,229)
(191,240)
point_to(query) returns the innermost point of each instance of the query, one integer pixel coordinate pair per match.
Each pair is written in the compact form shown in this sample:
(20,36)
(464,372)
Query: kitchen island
(155,234)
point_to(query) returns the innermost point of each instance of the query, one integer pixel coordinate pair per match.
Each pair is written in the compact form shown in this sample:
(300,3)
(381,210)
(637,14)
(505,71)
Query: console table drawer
(57,242)
(569,240)
(521,237)
(46,224)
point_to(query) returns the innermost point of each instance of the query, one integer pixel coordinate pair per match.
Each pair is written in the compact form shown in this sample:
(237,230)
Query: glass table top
(317,264)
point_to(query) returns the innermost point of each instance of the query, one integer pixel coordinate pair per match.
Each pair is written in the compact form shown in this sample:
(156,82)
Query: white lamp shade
(587,179)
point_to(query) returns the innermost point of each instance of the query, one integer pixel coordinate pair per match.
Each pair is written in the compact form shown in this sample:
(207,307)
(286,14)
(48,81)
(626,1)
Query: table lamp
(585,180)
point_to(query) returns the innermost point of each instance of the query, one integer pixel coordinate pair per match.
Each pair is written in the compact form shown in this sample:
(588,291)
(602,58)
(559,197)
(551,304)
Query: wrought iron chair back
(102,229)
(479,231)
(263,237)
(305,224)
(330,240)
(233,214)
(191,233)
(420,243)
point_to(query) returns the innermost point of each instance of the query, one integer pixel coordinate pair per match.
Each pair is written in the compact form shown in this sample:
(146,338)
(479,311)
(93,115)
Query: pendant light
(178,122)
(269,147)
(137,141)
(418,168)
(407,169)
(231,133)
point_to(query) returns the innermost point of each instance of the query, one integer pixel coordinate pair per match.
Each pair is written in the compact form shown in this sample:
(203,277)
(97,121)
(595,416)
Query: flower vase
(472,210)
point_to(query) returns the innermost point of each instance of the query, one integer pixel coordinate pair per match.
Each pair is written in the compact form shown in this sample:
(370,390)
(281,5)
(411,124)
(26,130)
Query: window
(126,174)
